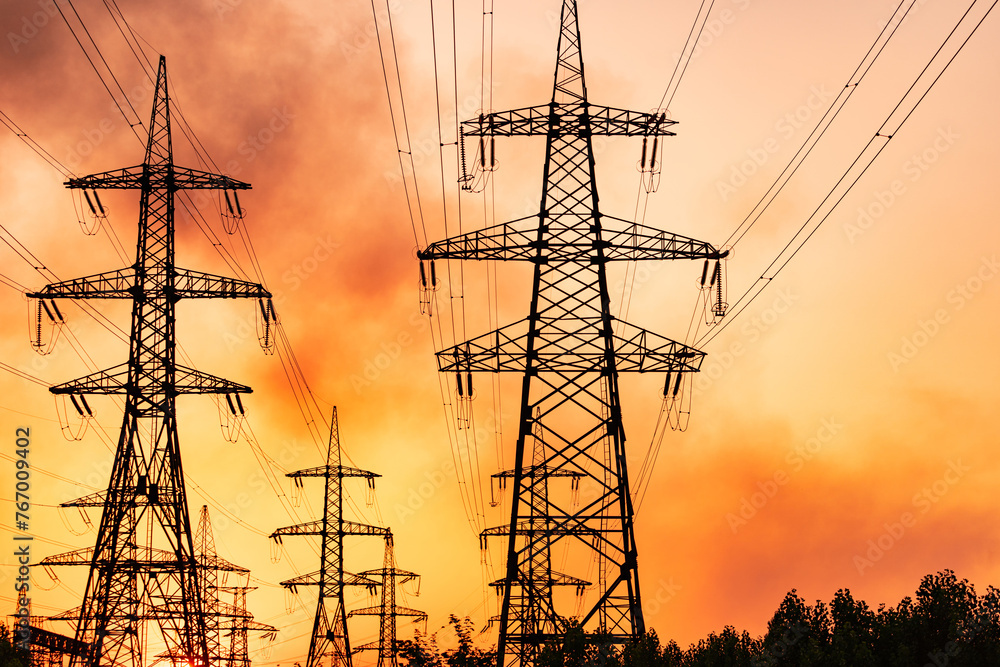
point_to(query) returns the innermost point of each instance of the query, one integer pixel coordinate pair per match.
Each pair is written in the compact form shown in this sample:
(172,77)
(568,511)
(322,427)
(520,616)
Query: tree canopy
(945,624)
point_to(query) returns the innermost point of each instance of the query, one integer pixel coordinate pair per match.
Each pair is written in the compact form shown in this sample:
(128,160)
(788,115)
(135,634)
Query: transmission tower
(388,611)
(569,351)
(220,616)
(329,645)
(143,566)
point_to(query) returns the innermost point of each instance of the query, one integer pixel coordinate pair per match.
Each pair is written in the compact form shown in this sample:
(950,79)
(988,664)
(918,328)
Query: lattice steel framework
(329,645)
(570,356)
(389,576)
(143,566)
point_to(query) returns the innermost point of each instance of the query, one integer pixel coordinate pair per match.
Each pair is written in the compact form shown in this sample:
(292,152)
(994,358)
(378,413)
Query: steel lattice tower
(143,567)
(570,357)
(329,645)
(387,610)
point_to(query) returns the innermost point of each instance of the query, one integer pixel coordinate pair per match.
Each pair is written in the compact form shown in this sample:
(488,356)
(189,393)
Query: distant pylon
(131,582)
(569,351)
(388,611)
(329,644)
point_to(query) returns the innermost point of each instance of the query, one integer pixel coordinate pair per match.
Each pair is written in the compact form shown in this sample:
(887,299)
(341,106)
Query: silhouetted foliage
(423,650)
(946,624)
(10,654)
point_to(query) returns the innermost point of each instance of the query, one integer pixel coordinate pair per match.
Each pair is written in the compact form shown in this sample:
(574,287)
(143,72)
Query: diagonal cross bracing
(143,568)
(569,356)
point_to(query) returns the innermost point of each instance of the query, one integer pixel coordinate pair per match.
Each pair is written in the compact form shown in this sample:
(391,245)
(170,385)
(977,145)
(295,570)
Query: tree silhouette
(946,624)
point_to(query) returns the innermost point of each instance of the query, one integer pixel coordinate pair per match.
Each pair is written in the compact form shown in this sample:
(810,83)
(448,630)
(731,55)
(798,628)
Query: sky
(842,428)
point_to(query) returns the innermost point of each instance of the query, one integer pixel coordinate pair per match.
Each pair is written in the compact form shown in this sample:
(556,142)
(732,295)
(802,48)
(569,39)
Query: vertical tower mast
(145,506)
(570,422)
(329,645)
(388,611)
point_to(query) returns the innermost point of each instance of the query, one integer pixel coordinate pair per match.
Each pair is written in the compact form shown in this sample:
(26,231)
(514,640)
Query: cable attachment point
(232,417)
(651,157)
(41,343)
(464,391)
(232,212)
(91,224)
(484,162)
(267,319)
(427,286)
(73,427)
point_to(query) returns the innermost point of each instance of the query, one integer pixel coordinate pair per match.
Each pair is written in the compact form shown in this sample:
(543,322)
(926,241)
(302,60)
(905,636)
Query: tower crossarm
(316,528)
(506,350)
(122,284)
(118,284)
(568,119)
(313,579)
(555,579)
(538,472)
(377,611)
(517,241)
(58,643)
(115,381)
(96,499)
(541,526)
(150,558)
(342,471)
(190,284)
(156,175)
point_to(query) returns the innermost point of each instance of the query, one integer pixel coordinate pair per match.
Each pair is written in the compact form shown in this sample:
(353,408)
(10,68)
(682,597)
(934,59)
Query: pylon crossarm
(110,285)
(140,176)
(114,381)
(378,611)
(507,241)
(313,579)
(574,119)
(151,559)
(555,579)
(90,500)
(505,350)
(190,284)
(639,242)
(316,528)
(538,472)
(58,643)
(321,471)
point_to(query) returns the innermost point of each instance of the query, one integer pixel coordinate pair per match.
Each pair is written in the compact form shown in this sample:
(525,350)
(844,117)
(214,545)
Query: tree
(10,654)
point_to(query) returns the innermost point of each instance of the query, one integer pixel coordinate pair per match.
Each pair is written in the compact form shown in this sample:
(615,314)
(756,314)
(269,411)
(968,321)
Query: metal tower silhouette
(222,617)
(143,566)
(389,576)
(570,356)
(329,645)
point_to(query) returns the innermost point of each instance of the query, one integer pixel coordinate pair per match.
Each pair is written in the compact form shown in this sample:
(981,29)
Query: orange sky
(853,395)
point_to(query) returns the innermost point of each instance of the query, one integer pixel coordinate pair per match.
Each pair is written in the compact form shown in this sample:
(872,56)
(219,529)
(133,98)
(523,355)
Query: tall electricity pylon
(330,645)
(570,356)
(387,610)
(143,566)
